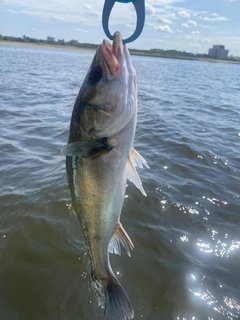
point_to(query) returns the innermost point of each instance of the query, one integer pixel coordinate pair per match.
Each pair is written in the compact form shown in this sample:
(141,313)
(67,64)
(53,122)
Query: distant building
(218,51)
(61,40)
(50,38)
(73,41)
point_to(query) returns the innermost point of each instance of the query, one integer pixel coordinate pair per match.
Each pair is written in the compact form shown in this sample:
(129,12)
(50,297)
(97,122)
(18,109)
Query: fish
(100,157)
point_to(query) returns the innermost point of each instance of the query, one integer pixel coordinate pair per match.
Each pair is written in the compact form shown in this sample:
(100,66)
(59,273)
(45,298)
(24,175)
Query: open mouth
(112,54)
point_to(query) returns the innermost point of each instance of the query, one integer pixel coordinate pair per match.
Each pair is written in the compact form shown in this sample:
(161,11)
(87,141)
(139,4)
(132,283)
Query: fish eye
(95,74)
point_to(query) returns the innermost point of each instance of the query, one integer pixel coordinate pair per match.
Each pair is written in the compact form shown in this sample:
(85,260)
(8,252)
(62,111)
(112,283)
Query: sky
(190,25)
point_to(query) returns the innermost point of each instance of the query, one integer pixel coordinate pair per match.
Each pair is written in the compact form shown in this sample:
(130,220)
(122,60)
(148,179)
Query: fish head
(109,90)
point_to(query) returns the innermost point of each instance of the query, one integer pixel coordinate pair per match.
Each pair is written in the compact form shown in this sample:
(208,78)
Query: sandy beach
(43,45)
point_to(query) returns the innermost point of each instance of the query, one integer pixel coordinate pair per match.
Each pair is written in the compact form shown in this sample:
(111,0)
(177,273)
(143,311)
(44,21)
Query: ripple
(186,232)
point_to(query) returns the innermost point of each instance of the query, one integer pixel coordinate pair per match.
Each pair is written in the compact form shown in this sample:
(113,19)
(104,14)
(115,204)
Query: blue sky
(190,25)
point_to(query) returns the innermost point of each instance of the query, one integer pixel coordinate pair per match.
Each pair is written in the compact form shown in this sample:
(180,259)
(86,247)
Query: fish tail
(116,299)
(119,303)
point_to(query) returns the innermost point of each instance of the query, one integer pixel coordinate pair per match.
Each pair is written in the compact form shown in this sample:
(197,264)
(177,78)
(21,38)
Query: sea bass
(100,159)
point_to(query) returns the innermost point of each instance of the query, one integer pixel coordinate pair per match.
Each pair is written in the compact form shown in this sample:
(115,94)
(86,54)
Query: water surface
(186,262)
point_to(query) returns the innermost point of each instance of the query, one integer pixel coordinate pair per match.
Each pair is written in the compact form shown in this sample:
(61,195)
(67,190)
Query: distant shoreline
(42,45)
(184,58)
(133,52)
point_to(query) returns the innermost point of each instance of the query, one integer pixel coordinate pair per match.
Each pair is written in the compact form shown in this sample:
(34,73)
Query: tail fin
(116,299)
(120,305)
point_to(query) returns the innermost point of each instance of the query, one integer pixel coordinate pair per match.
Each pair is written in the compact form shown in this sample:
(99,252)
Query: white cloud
(205,40)
(213,17)
(129,25)
(189,23)
(179,31)
(165,28)
(208,27)
(171,15)
(164,2)
(69,12)
(164,20)
(184,14)
(58,18)
(12,11)
(195,32)
(80,30)
(149,9)
(87,6)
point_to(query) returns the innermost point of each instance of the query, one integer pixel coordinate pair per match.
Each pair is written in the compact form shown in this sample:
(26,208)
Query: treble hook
(140,10)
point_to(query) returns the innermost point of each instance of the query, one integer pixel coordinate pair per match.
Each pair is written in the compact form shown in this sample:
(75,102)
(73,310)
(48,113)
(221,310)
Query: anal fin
(120,236)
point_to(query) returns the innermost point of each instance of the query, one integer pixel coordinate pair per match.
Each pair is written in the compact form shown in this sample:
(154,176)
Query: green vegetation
(168,53)
(72,43)
(152,52)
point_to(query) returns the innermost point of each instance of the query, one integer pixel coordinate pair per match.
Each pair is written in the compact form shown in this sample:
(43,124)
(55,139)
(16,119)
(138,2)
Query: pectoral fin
(135,159)
(85,147)
(120,236)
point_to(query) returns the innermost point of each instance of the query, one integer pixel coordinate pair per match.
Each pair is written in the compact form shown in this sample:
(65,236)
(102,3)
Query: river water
(186,261)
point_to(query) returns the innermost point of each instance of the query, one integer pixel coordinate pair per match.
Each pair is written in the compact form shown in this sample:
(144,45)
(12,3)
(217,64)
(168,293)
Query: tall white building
(50,38)
(218,51)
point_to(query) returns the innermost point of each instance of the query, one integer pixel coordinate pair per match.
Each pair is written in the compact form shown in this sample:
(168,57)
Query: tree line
(75,43)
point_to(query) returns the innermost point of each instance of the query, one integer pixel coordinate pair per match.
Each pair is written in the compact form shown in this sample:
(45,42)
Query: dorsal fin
(134,159)
(138,160)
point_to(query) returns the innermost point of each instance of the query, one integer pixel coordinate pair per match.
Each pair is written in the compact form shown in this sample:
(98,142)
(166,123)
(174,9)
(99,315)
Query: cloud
(88,12)
(12,11)
(189,23)
(80,30)
(195,32)
(165,28)
(213,17)
(205,40)
(149,9)
(208,27)
(179,31)
(172,16)
(58,18)
(164,2)
(164,20)
(86,5)
(184,14)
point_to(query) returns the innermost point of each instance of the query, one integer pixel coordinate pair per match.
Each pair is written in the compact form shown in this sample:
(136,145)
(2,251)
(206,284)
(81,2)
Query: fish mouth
(112,54)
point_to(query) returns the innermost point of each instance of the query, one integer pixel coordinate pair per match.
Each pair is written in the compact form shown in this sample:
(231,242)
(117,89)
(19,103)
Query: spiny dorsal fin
(138,160)
(120,236)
